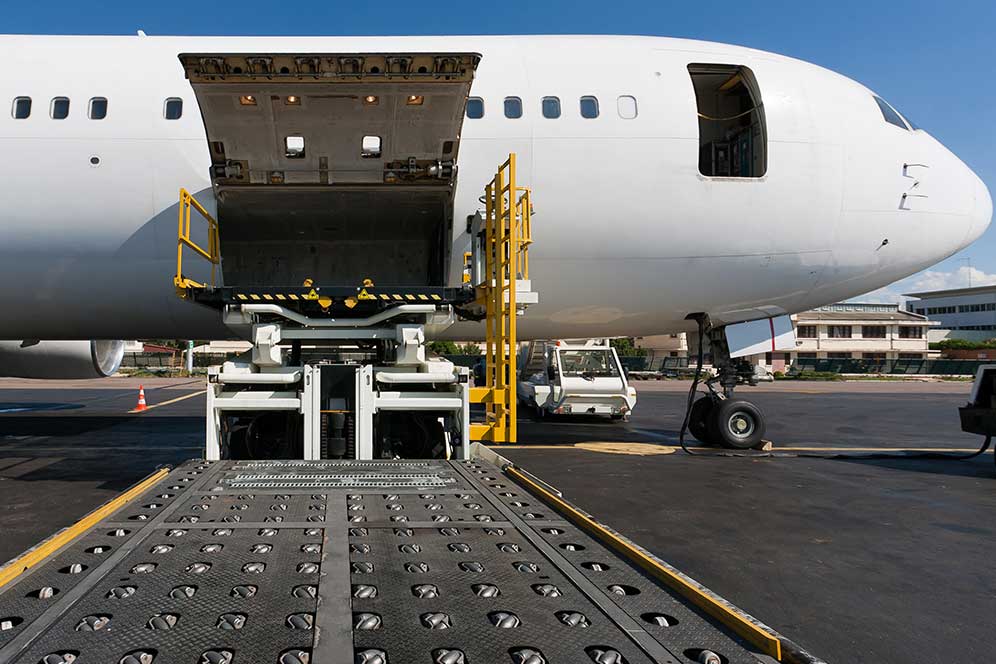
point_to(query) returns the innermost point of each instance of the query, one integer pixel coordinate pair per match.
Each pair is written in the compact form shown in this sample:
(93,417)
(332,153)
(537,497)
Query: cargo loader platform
(377,562)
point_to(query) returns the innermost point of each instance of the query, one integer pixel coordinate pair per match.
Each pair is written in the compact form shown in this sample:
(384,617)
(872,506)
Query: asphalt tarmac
(856,559)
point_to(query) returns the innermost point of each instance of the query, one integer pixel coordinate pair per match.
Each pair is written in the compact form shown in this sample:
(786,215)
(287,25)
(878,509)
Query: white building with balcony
(855,330)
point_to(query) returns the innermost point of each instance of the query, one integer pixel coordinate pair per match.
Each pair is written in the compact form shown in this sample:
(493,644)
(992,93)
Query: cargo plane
(675,181)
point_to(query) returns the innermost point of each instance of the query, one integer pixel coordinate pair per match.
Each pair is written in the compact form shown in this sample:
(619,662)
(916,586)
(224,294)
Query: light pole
(968,262)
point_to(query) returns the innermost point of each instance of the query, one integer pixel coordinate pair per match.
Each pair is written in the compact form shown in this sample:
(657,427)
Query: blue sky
(932,60)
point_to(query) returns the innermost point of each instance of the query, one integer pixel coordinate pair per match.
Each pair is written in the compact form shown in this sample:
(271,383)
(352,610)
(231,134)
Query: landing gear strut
(718,418)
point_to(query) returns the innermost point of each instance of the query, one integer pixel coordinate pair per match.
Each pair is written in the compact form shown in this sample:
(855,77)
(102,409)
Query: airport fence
(902,367)
(174,361)
(650,366)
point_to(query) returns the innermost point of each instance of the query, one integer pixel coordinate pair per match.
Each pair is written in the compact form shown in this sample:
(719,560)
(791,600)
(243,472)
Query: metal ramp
(371,562)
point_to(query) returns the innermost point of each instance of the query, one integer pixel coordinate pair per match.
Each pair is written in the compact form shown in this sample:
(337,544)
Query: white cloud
(929,280)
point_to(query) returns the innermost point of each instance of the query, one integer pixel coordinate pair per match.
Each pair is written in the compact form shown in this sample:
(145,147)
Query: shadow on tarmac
(65,426)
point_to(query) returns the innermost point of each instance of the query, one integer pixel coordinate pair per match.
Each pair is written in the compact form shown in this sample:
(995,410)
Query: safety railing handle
(213,251)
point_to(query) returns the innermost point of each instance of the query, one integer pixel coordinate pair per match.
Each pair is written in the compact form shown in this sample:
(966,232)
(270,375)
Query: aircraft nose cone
(983,214)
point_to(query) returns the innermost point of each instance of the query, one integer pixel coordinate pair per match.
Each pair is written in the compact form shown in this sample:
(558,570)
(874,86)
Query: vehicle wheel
(698,420)
(737,425)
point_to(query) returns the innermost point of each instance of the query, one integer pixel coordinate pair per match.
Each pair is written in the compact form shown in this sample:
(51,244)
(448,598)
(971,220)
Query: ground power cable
(938,456)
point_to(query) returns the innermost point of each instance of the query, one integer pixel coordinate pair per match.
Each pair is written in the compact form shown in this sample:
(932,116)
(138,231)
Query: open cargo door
(333,167)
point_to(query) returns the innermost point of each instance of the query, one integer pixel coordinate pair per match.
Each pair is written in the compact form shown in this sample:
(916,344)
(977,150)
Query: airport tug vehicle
(979,414)
(335,246)
(579,379)
(343,515)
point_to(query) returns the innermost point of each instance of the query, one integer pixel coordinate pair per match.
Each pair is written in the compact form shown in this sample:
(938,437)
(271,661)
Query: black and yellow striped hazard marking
(269,297)
(363,295)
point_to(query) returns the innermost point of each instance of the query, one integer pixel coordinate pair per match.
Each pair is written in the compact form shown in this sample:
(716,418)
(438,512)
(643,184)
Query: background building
(962,313)
(664,345)
(859,331)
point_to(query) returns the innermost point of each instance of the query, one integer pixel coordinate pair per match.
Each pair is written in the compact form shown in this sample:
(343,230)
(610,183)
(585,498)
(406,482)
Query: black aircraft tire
(698,420)
(737,425)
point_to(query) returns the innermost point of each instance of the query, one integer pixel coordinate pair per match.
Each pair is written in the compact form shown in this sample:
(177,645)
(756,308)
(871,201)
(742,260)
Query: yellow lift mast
(507,236)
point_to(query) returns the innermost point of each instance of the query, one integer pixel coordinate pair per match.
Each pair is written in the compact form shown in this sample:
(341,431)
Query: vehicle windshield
(595,362)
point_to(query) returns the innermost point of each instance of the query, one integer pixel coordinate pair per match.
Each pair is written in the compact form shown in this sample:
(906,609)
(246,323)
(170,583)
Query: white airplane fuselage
(629,237)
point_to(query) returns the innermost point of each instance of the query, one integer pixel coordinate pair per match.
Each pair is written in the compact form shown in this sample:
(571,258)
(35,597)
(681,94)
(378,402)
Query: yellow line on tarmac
(642,449)
(876,449)
(527,446)
(166,403)
(755,633)
(23,563)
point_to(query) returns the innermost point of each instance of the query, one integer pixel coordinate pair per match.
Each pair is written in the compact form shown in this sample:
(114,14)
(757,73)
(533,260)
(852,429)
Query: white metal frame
(298,389)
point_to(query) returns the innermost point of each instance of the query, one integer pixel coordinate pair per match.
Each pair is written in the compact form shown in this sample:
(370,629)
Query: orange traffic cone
(141,400)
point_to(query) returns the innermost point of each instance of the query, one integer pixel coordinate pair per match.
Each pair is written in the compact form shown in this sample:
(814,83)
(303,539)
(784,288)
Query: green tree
(962,344)
(625,346)
(172,343)
(468,349)
(443,347)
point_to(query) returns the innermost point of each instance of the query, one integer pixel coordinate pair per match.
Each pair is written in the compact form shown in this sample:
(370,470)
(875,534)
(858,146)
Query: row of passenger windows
(732,129)
(58,108)
(550,107)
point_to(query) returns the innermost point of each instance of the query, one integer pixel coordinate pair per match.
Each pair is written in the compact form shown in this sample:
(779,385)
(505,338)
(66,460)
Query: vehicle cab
(571,379)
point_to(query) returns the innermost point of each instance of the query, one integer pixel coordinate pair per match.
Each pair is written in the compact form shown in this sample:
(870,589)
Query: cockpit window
(890,114)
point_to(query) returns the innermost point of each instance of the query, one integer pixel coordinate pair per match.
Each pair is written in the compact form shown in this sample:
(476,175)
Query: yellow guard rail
(183,239)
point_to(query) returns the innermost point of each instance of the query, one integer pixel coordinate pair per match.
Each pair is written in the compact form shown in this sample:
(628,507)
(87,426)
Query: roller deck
(355,561)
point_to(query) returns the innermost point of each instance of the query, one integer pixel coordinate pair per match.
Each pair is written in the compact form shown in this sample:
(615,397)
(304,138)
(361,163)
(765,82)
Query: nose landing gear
(718,418)
(730,423)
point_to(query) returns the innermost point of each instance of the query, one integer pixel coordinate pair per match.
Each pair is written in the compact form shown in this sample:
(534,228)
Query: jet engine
(60,359)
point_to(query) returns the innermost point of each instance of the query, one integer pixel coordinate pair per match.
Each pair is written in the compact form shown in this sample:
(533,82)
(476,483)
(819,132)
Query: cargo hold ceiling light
(370,100)
(292,100)
(415,100)
(247,100)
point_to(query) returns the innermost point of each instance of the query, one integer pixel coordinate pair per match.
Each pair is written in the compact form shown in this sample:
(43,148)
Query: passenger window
(551,107)
(173,109)
(589,107)
(475,108)
(889,113)
(98,108)
(732,132)
(294,147)
(21,108)
(513,107)
(626,106)
(60,108)
(370,147)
